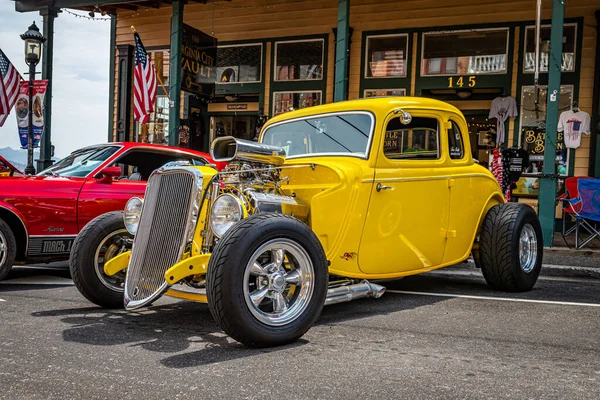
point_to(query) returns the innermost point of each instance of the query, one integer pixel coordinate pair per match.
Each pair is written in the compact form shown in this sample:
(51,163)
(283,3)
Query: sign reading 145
(460,82)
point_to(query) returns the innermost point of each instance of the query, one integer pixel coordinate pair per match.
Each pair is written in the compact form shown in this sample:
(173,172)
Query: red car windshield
(81,163)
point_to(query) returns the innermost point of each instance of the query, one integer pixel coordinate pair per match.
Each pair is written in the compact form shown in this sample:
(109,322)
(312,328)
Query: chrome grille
(162,233)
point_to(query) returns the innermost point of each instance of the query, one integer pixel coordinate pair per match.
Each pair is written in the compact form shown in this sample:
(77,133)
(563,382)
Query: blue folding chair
(587,218)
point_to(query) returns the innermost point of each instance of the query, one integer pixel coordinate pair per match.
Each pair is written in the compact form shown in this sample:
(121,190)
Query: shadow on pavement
(174,327)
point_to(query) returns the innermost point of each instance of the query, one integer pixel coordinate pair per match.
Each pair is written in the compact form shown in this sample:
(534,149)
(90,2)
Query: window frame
(440,153)
(374,90)
(406,56)
(463,150)
(520,134)
(323,68)
(324,115)
(505,29)
(524,47)
(261,70)
(292,92)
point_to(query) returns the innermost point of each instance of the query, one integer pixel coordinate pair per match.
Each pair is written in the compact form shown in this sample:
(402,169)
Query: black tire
(7,257)
(225,279)
(499,255)
(82,262)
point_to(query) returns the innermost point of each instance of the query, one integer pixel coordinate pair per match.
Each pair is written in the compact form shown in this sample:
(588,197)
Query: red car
(40,215)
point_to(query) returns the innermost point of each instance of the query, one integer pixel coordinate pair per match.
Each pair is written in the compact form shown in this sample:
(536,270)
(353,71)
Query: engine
(251,183)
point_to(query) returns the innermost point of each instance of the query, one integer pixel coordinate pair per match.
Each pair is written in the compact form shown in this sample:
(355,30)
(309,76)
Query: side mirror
(107,174)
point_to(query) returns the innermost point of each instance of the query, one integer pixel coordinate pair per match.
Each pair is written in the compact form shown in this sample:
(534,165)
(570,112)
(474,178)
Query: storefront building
(278,55)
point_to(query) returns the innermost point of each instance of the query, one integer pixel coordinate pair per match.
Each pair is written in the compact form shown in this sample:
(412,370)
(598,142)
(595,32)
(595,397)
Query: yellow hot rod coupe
(328,200)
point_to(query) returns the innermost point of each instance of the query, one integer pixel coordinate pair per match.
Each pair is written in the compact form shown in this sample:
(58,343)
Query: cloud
(80,110)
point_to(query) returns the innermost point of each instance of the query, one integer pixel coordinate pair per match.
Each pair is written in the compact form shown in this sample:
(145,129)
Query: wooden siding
(266,19)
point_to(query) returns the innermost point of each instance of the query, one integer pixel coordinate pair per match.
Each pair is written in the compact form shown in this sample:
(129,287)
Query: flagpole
(157,75)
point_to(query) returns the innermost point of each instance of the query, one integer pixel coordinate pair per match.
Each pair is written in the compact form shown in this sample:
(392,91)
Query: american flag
(9,86)
(144,76)
(387,63)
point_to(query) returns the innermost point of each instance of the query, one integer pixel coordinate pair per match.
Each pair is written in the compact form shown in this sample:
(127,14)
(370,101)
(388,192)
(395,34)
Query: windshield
(345,134)
(81,163)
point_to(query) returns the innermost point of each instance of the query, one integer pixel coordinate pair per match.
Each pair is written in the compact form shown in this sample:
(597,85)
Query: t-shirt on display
(573,124)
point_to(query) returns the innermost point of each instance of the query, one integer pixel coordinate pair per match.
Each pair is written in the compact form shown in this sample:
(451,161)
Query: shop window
(299,61)
(568,55)
(386,56)
(239,64)
(157,129)
(288,101)
(474,52)
(418,140)
(336,134)
(455,142)
(384,92)
(533,128)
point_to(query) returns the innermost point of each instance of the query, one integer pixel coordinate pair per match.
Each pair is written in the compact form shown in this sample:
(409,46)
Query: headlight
(132,213)
(226,211)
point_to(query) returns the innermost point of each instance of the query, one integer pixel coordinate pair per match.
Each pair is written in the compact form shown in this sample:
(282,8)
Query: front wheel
(511,247)
(100,240)
(267,280)
(8,249)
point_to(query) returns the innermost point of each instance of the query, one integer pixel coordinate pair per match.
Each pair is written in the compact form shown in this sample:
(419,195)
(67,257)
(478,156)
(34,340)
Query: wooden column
(547,206)
(342,40)
(175,71)
(124,93)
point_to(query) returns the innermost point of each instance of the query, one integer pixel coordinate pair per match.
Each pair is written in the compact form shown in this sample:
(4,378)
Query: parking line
(466,296)
(2,300)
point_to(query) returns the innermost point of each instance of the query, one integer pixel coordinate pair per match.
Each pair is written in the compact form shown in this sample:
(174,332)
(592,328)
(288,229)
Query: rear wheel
(8,249)
(511,247)
(267,280)
(100,240)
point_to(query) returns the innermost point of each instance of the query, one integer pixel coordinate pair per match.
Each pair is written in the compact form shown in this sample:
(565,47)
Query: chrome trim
(246,150)
(349,292)
(153,228)
(330,114)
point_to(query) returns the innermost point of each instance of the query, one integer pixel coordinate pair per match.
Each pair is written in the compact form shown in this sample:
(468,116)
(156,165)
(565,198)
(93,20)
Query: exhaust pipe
(342,294)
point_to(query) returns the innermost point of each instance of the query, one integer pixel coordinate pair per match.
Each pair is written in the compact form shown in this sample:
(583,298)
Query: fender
(12,210)
(492,201)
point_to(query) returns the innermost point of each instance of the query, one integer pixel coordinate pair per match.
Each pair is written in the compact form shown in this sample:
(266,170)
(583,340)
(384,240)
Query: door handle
(381,187)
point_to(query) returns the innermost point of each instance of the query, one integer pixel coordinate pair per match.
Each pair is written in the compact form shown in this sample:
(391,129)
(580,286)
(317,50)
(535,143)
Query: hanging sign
(22,108)
(198,62)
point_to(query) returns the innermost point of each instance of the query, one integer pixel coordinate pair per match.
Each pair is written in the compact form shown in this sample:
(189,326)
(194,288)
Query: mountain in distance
(18,157)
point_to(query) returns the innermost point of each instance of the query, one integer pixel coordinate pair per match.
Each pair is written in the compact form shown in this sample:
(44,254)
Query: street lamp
(33,51)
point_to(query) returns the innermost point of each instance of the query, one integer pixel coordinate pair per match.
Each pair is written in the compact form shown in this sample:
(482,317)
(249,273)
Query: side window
(455,142)
(418,140)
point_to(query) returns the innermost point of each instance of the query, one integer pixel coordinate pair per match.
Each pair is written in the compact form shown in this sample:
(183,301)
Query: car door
(406,225)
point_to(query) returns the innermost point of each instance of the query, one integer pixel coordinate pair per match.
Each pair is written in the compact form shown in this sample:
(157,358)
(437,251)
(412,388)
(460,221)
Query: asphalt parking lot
(438,335)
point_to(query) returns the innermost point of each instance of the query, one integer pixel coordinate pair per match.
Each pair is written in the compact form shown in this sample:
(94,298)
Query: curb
(557,270)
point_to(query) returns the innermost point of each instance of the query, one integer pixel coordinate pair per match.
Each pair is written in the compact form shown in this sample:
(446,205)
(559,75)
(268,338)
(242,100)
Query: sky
(80,77)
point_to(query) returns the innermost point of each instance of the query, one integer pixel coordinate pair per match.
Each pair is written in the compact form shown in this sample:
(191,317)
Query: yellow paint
(117,263)
(196,265)
(197,297)
(427,219)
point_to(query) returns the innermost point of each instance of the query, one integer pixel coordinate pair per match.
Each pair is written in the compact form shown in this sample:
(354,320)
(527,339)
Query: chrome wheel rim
(3,249)
(107,249)
(528,248)
(278,282)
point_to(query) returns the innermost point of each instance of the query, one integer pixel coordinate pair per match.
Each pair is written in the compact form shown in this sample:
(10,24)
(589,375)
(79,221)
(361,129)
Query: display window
(386,56)
(418,140)
(473,52)
(384,92)
(299,60)
(568,54)
(532,136)
(288,101)
(239,63)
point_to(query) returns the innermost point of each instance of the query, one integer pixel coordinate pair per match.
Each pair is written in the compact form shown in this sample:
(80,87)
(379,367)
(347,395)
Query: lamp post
(33,50)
